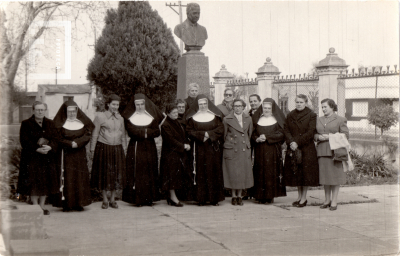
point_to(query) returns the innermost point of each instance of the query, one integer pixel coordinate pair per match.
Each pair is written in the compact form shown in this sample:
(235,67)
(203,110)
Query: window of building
(360,108)
(65,98)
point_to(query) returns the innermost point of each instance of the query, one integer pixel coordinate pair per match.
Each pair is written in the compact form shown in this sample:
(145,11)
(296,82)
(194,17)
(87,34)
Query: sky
(294,34)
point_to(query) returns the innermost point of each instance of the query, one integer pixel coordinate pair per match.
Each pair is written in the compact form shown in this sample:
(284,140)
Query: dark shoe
(104,205)
(239,201)
(270,201)
(324,206)
(245,197)
(214,203)
(46,212)
(114,205)
(66,209)
(299,205)
(262,201)
(79,209)
(172,203)
(201,203)
(234,201)
(295,203)
(333,208)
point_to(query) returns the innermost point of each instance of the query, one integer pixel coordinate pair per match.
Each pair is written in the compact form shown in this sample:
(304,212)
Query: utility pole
(180,18)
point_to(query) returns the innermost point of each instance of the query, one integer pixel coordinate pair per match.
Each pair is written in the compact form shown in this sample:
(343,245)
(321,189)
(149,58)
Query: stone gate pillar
(265,77)
(221,78)
(328,71)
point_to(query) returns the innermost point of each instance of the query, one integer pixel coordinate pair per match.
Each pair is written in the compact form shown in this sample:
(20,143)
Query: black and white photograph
(208,128)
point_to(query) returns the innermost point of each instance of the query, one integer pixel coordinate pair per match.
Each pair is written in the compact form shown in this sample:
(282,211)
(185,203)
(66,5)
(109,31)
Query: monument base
(193,68)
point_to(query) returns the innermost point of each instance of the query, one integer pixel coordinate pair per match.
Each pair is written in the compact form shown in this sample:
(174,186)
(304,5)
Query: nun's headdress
(150,108)
(62,116)
(194,108)
(276,112)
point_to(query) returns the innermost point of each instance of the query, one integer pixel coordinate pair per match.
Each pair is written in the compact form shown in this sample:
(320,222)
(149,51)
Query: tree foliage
(383,116)
(21,24)
(136,53)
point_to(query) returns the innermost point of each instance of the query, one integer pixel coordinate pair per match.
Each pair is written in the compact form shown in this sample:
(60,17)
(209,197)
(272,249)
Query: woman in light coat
(236,164)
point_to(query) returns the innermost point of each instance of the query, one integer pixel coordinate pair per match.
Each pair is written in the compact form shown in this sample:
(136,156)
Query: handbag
(340,154)
(298,156)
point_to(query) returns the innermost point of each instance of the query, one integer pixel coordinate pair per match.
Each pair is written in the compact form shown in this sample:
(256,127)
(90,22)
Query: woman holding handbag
(301,164)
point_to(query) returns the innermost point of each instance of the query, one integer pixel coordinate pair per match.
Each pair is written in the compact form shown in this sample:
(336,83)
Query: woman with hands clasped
(268,136)
(75,130)
(173,167)
(301,168)
(39,139)
(108,147)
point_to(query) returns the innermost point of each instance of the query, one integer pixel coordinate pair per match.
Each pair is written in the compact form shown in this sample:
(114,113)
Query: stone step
(43,247)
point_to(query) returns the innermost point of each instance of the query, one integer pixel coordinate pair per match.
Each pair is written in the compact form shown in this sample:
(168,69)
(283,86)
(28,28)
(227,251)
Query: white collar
(204,117)
(73,125)
(266,121)
(141,119)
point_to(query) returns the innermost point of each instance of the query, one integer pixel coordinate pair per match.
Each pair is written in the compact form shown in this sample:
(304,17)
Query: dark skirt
(331,172)
(108,170)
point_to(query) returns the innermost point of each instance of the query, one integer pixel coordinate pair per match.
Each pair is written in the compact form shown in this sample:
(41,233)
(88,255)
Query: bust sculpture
(190,32)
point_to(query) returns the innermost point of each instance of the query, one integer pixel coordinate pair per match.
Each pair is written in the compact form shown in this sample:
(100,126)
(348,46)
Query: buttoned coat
(300,128)
(236,163)
(333,124)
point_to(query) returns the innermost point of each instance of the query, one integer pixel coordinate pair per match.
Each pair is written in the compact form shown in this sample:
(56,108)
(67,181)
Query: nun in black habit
(205,128)
(142,119)
(75,130)
(267,139)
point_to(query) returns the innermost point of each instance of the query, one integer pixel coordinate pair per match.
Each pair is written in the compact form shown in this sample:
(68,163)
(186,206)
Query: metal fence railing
(364,92)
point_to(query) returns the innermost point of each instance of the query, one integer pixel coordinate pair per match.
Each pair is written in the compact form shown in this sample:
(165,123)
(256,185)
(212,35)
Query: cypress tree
(136,53)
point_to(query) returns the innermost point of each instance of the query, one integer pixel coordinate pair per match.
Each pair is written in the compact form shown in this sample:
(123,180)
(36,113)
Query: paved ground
(369,227)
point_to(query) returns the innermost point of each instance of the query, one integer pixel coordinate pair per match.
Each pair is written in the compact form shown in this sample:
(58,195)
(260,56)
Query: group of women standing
(203,151)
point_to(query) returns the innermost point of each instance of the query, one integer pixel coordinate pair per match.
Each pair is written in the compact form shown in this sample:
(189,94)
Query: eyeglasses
(228,95)
(237,106)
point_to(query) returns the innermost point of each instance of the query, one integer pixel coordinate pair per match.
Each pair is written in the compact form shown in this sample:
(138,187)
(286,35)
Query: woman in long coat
(75,130)
(173,164)
(205,128)
(142,119)
(39,139)
(331,173)
(236,164)
(299,132)
(267,140)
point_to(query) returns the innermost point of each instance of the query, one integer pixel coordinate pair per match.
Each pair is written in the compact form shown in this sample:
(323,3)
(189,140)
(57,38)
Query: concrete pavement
(367,223)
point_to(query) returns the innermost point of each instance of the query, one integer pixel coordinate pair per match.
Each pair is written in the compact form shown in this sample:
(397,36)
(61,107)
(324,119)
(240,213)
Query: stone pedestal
(193,67)
(328,71)
(265,78)
(25,222)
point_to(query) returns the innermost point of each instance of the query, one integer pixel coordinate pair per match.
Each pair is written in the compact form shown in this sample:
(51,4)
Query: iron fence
(366,91)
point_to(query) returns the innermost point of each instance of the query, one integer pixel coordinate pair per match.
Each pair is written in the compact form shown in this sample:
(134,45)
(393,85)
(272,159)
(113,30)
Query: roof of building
(66,88)
(268,67)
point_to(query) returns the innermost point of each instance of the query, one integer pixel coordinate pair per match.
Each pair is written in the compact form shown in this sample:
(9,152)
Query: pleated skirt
(108,169)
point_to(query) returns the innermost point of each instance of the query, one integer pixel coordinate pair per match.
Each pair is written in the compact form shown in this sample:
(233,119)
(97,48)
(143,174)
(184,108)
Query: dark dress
(208,157)
(300,128)
(268,163)
(37,175)
(76,173)
(141,164)
(173,155)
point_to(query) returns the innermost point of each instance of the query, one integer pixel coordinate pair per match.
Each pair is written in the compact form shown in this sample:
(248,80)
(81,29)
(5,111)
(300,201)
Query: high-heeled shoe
(299,205)
(324,206)
(333,208)
(239,201)
(295,203)
(172,203)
